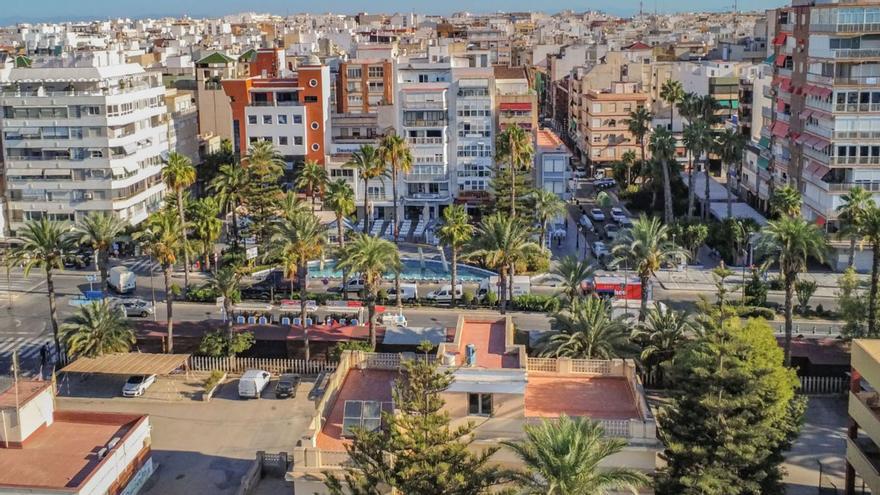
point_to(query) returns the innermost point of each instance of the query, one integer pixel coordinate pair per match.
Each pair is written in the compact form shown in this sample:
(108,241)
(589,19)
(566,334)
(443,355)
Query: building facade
(605,116)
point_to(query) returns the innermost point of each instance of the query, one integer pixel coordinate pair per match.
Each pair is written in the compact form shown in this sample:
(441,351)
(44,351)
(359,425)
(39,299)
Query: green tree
(340,200)
(370,257)
(367,161)
(698,140)
(513,147)
(573,272)
(547,206)
(220,344)
(265,168)
(660,335)
(729,148)
(586,330)
(646,247)
(785,202)
(226,284)
(870,227)
(854,205)
(207,226)
(312,177)
(499,186)
(43,245)
(733,412)
(500,242)
(672,93)
(805,290)
(639,124)
(789,241)
(99,231)
(178,175)
(396,155)
(756,289)
(160,238)
(563,456)
(96,329)
(229,185)
(455,232)
(210,166)
(689,236)
(628,160)
(663,151)
(851,305)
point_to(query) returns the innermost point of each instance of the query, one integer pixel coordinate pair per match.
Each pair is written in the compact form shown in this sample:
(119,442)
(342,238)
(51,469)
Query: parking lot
(200,447)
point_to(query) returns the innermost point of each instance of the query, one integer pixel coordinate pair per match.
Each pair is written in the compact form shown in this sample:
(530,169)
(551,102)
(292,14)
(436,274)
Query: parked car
(286,386)
(353,285)
(580,174)
(122,280)
(586,223)
(597,215)
(136,385)
(408,293)
(252,383)
(618,215)
(625,223)
(611,231)
(75,261)
(603,184)
(600,249)
(134,306)
(444,294)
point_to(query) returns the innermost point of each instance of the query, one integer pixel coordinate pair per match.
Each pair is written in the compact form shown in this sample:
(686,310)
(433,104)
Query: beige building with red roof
(496,386)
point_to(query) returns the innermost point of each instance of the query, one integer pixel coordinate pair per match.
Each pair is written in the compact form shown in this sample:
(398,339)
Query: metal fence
(814,385)
(240,364)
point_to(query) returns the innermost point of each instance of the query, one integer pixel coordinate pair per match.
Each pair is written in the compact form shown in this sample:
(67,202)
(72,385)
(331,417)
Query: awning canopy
(780,39)
(129,363)
(525,107)
(780,60)
(763,163)
(780,129)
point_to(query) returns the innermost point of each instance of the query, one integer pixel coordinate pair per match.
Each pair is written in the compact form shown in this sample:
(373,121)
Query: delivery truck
(122,280)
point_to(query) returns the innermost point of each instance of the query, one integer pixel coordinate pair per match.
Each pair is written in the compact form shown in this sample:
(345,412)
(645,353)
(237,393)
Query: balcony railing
(856,134)
(417,177)
(845,28)
(19,93)
(847,186)
(816,155)
(418,105)
(820,79)
(424,140)
(857,107)
(849,160)
(425,123)
(855,53)
(819,130)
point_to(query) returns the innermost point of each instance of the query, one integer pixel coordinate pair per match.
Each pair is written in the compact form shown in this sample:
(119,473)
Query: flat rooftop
(27,390)
(550,395)
(489,339)
(366,384)
(64,454)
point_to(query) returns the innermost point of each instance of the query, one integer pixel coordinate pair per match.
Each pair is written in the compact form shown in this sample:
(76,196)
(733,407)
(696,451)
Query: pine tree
(416,450)
(500,187)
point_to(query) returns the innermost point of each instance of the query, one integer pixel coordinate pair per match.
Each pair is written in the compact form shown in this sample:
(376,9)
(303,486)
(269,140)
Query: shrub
(213,380)
(382,296)
(216,344)
(491,299)
(536,302)
(755,312)
(467,297)
(351,345)
(204,293)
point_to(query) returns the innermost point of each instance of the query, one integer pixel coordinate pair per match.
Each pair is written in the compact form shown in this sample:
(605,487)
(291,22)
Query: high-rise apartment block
(605,114)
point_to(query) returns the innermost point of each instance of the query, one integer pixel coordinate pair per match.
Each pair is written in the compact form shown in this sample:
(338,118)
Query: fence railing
(823,384)
(240,364)
(563,365)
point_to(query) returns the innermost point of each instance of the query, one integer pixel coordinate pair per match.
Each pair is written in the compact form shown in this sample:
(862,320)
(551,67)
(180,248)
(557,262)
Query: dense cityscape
(374,253)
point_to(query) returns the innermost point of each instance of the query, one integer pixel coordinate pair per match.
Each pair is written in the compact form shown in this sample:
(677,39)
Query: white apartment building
(474,121)
(88,136)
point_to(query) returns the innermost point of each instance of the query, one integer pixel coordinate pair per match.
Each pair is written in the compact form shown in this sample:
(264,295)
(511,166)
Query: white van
(252,383)
(522,285)
(122,280)
(444,294)
(408,293)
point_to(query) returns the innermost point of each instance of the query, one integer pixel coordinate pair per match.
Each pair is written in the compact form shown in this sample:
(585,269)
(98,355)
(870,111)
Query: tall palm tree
(99,230)
(707,108)
(672,93)
(368,163)
(96,329)
(500,242)
(312,176)
(663,151)
(43,245)
(563,456)
(397,156)
(160,237)
(646,247)
(548,205)
(785,202)
(455,232)
(629,160)
(698,140)
(230,185)
(514,147)
(340,200)
(291,205)
(178,175)
(729,148)
(586,330)
(639,124)
(371,257)
(573,273)
(263,159)
(689,107)
(851,212)
(206,225)
(789,241)
(661,334)
(225,284)
(870,229)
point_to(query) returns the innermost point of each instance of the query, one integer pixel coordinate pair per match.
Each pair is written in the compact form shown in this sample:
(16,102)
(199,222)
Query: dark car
(75,261)
(286,386)
(602,184)
(264,289)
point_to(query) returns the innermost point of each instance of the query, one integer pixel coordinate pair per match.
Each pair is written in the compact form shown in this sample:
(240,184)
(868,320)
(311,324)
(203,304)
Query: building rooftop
(64,454)
(502,72)
(870,346)
(489,339)
(27,390)
(359,384)
(599,397)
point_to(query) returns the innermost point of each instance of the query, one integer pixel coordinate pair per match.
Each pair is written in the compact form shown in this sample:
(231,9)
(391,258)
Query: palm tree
(661,334)
(230,185)
(586,330)
(707,107)
(573,273)
(697,139)
(396,154)
(291,205)
(514,147)
(563,456)
(178,175)
(96,329)
(729,148)
(646,247)
(263,159)
(312,176)
(160,237)
(628,159)
(100,230)
(340,200)
(639,124)
(226,285)
(672,93)
(548,205)
(455,232)
(851,212)
(789,241)
(785,202)
(368,163)
(689,107)
(371,257)
(870,229)
(43,245)
(207,225)
(500,242)
(663,151)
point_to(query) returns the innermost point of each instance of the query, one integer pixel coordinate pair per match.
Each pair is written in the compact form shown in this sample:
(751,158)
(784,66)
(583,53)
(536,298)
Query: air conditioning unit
(88,196)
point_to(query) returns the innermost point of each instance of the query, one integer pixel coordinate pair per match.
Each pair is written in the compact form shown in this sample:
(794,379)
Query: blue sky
(13,11)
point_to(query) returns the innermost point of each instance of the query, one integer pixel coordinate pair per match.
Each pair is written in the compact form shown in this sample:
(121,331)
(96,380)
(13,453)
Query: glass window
(252,119)
(297,140)
(282,140)
(297,119)
(480,404)
(282,119)
(267,119)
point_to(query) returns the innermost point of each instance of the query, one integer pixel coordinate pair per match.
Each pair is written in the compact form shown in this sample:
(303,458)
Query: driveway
(206,447)
(822,440)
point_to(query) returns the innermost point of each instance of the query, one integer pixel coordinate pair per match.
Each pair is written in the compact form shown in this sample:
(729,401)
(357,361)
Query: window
(252,119)
(282,119)
(297,119)
(341,172)
(316,146)
(282,140)
(267,119)
(354,72)
(315,125)
(310,99)
(480,404)
(377,71)
(366,414)
(297,140)
(313,82)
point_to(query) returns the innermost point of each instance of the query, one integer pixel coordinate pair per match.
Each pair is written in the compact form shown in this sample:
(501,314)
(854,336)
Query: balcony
(854,53)
(856,135)
(857,107)
(850,160)
(844,187)
(864,457)
(860,27)
(425,123)
(816,155)
(819,79)
(433,141)
(424,105)
(426,177)
(819,131)
(787,27)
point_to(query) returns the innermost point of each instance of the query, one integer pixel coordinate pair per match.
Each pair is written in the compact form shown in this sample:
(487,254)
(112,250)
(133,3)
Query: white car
(586,223)
(135,306)
(136,385)
(618,215)
(600,249)
(597,215)
(611,231)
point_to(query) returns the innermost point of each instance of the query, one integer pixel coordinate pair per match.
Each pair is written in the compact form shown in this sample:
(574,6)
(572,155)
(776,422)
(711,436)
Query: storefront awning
(780,60)
(780,39)
(780,129)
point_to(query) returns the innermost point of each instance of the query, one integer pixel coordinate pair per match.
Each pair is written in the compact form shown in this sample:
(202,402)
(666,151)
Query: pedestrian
(44,354)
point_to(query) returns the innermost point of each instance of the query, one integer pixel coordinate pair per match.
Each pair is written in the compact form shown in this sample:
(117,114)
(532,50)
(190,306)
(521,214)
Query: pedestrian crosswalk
(142,265)
(28,347)
(18,284)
